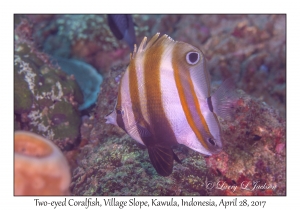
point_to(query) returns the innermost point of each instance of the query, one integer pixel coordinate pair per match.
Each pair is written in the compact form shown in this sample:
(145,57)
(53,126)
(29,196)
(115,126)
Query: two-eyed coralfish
(164,99)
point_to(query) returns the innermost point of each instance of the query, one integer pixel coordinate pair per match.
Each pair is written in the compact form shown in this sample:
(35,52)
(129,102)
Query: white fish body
(165,99)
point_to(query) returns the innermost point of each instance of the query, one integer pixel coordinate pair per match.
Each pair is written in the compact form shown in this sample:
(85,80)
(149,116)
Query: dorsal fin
(153,41)
(142,45)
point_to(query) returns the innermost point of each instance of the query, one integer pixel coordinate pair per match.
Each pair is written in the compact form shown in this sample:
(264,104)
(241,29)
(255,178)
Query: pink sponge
(40,167)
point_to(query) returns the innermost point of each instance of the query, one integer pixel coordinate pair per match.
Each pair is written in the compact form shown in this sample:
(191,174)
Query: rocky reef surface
(109,162)
(46,99)
(106,161)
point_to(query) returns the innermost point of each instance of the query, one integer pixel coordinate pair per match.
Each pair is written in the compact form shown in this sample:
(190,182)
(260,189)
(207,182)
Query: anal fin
(162,159)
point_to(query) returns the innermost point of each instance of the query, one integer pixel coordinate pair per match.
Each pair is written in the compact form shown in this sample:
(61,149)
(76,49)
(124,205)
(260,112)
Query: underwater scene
(196,108)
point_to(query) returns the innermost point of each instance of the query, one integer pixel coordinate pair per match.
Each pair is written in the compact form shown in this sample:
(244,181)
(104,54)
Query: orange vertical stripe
(158,120)
(184,100)
(133,90)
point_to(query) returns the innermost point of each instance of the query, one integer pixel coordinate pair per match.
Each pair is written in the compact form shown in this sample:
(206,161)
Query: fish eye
(192,58)
(211,141)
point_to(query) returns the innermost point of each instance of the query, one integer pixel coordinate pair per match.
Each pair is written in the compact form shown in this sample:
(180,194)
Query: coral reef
(84,37)
(253,152)
(40,167)
(252,48)
(46,99)
(111,163)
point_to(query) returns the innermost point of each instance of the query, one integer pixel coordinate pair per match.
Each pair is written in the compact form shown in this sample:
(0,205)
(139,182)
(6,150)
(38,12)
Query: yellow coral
(40,167)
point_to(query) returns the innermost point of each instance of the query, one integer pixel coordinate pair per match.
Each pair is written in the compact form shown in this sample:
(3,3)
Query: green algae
(23,99)
(46,96)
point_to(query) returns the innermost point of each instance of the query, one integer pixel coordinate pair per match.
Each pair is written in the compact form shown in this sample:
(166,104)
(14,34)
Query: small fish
(123,28)
(164,99)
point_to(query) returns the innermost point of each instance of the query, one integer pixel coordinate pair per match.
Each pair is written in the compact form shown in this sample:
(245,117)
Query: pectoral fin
(162,159)
(223,101)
